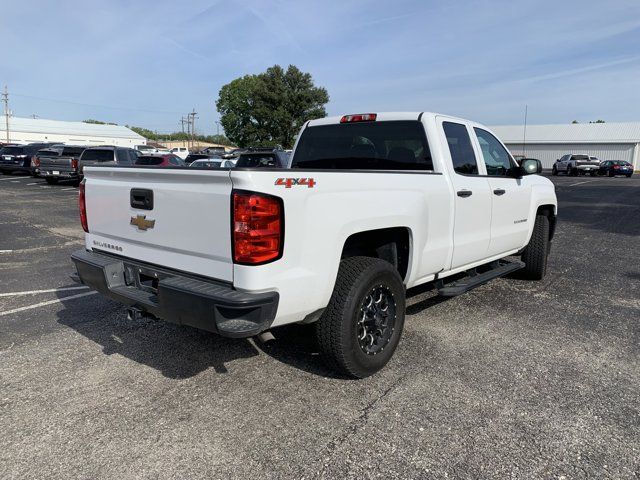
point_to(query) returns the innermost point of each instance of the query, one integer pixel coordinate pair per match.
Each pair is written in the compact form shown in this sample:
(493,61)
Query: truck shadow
(295,345)
(176,351)
(180,352)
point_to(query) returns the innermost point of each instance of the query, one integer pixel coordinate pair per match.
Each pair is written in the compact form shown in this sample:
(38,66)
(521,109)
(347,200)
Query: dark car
(160,160)
(200,156)
(266,157)
(55,164)
(615,167)
(17,158)
(107,155)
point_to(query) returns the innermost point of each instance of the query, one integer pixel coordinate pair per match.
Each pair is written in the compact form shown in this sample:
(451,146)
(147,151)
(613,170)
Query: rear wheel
(536,252)
(611,174)
(629,175)
(51,180)
(554,170)
(361,327)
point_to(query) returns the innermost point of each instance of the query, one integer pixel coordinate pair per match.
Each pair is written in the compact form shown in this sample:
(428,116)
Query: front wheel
(361,327)
(554,170)
(536,252)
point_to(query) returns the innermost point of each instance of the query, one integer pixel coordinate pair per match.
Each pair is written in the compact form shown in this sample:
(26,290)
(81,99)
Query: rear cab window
(257,160)
(96,155)
(13,151)
(72,151)
(374,145)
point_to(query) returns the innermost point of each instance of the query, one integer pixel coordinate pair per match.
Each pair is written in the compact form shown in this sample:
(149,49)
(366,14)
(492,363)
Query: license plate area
(142,278)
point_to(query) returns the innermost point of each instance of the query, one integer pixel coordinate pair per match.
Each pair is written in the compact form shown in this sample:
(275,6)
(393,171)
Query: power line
(133,109)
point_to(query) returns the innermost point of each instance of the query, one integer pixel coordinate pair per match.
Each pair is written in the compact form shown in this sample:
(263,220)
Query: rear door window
(462,154)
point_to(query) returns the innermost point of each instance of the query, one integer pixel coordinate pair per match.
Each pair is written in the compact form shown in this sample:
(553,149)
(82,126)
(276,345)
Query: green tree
(98,122)
(269,108)
(598,121)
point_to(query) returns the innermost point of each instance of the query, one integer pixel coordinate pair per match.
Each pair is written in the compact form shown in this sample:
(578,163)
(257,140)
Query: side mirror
(531,166)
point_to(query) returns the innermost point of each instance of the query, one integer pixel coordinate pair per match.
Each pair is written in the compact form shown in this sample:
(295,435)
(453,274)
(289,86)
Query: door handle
(499,191)
(464,193)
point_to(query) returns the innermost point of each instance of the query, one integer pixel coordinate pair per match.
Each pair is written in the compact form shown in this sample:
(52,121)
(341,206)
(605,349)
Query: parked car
(200,156)
(206,163)
(182,152)
(372,204)
(17,158)
(159,160)
(576,164)
(229,163)
(106,155)
(615,167)
(63,164)
(263,157)
(145,149)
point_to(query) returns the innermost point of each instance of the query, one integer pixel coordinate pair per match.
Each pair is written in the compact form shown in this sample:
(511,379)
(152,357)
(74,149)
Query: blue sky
(146,63)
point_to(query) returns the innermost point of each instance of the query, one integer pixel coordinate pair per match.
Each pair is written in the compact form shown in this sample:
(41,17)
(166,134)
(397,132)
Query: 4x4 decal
(289,182)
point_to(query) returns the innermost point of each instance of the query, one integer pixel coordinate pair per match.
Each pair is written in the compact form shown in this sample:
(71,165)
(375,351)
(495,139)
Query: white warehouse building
(607,141)
(30,130)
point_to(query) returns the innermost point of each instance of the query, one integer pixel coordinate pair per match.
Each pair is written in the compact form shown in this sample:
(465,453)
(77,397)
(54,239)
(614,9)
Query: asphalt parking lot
(515,379)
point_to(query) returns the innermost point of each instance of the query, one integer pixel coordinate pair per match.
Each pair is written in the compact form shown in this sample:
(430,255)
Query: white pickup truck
(370,205)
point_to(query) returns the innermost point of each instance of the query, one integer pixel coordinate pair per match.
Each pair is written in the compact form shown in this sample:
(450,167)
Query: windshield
(72,151)
(390,145)
(13,151)
(257,160)
(98,155)
(48,153)
(148,160)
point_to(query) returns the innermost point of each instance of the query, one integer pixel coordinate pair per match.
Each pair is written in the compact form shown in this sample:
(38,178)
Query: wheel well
(549,212)
(390,244)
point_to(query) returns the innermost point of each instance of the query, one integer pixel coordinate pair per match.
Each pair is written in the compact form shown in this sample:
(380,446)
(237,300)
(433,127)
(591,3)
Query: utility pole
(5,99)
(183,121)
(192,123)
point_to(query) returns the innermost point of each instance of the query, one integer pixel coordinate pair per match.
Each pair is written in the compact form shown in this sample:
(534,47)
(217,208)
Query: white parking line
(5,179)
(43,304)
(31,292)
(580,183)
(34,183)
(67,189)
(6,251)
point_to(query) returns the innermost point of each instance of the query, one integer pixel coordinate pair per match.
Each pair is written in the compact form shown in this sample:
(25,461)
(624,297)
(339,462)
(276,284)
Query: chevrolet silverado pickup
(60,167)
(368,206)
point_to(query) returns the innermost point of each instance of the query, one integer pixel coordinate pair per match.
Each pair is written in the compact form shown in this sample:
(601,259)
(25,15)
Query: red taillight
(616,167)
(258,231)
(74,163)
(83,208)
(35,161)
(360,117)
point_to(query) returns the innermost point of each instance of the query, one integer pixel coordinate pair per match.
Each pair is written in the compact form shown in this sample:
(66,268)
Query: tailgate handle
(142,198)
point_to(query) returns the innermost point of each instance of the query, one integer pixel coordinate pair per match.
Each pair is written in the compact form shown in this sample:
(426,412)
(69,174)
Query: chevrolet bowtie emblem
(141,222)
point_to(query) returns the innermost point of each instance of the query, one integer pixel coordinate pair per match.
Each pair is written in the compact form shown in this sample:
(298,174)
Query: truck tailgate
(187,228)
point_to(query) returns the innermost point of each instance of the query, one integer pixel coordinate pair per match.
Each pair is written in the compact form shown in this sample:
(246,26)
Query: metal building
(607,141)
(28,130)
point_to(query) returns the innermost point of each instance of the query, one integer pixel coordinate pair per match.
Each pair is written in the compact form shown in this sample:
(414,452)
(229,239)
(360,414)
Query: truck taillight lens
(74,163)
(35,161)
(258,228)
(83,208)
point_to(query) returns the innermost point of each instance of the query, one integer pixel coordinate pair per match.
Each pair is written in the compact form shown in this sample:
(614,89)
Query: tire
(339,331)
(574,172)
(611,174)
(629,175)
(51,180)
(536,252)
(554,171)
(593,174)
